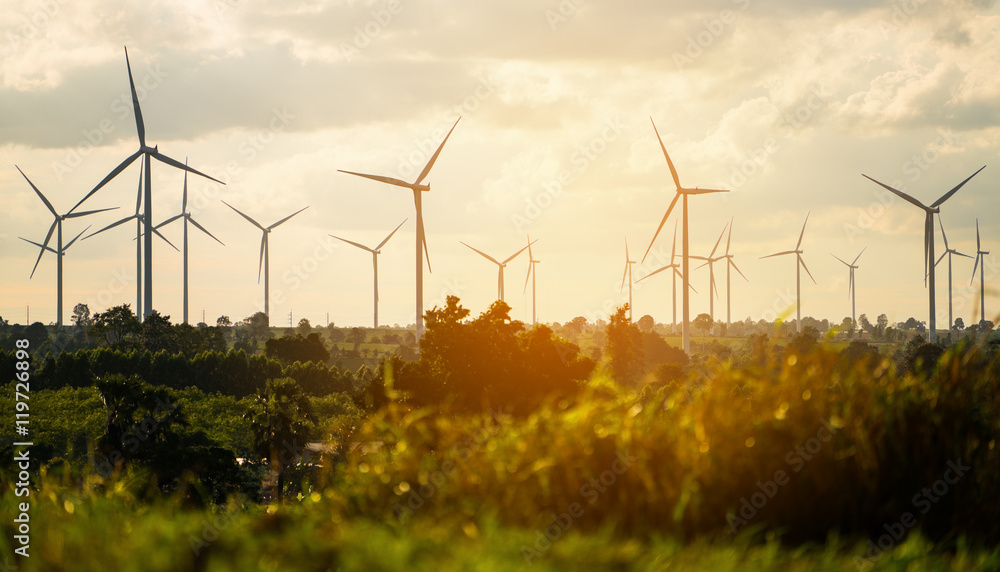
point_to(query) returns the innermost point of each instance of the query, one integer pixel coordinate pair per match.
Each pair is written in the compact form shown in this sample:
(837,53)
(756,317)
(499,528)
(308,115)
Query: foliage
(282,422)
(624,347)
(289,350)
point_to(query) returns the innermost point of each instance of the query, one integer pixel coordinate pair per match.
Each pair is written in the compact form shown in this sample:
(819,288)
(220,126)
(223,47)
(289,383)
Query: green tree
(157,334)
(702,322)
(117,328)
(866,325)
(959,325)
(304,327)
(646,323)
(282,422)
(881,322)
(81,315)
(624,346)
(223,322)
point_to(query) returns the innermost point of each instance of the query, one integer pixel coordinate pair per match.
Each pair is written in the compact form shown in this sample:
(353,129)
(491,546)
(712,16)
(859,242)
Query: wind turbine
(948,251)
(147,153)
(930,211)
(59,250)
(264,258)
(138,243)
(417,188)
(710,261)
(628,274)
(729,265)
(187,218)
(531,274)
(59,277)
(851,291)
(680,192)
(501,265)
(676,273)
(798,278)
(375,252)
(980,256)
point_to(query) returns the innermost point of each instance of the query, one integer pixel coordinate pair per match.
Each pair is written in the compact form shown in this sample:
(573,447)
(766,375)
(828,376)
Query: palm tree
(282,421)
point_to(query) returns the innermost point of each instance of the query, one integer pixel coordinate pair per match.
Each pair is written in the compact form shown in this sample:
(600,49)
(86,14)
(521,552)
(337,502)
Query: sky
(784,103)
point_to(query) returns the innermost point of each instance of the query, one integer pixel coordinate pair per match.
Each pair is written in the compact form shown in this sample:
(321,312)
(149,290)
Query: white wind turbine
(929,212)
(685,258)
(981,266)
(417,188)
(147,153)
(798,278)
(948,251)
(710,261)
(375,252)
(501,265)
(730,263)
(264,258)
(138,217)
(676,272)
(851,290)
(187,218)
(629,263)
(531,274)
(59,250)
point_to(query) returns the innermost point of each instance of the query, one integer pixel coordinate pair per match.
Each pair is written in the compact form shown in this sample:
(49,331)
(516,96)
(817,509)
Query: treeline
(229,373)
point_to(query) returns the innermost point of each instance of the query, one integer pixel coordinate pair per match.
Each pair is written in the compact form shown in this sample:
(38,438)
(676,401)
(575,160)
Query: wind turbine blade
(941,258)
(513,256)
(175,163)
(381,179)
(252,221)
(859,255)
(705,258)
(202,229)
(138,191)
(659,228)
(423,241)
(704,191)
(730,237)
(168,221)
(806,268)
(838,258)
(37,192)
(690,285)
(803,233)
(624,276)
(70,243)
(531,257)
(974,268)
(110,226)
(948,195)
(673,248)
(434,157)
(260,266)
(960,254)
(361,246)
(286,218)
(381,244)
(943,235)
(737,269)
(531,266)
(711,280)
(717,242)
(163,238)
(979,246)
(673,171)
(928,231)
(899,194)
(121,167)
(850,285)
(44,248)
(139,126)
(626,249)
(702,266)
(184,199)
(488,257)
(657,271)
(85,213)
(48,235)
(778,254)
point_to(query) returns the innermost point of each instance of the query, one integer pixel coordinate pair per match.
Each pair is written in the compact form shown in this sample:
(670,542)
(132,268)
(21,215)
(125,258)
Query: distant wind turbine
(146,152)
(501,265)
(138,243)
(798,278)
(375,252)
(730,263)
(710,260)
(59,275)
(417,188)
(851,290)
(929,211)
(676,272)
(685,258)
(629,263)
(264,258)
(187,218)
(531,274)
(981,266)
(948,251)
(59,250)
